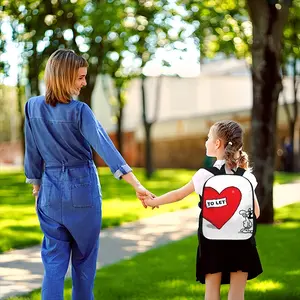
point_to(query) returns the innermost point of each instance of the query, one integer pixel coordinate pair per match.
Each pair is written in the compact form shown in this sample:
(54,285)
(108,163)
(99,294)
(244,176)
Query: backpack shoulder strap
(239,171)
(213,170)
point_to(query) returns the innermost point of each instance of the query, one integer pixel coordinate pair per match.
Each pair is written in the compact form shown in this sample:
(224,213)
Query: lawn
(168,272)
(282,177)
(19,226)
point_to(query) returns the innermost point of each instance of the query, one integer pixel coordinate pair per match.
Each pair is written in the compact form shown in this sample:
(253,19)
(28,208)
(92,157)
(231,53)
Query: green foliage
(291,45)
(104,32)
(221,27)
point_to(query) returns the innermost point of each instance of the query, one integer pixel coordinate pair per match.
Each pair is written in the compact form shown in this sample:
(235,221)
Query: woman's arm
(33,162)
(141,192)
(172,196)
(98,138)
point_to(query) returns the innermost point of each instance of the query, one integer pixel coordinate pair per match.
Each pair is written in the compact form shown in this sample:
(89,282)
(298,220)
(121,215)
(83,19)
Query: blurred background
(161,73)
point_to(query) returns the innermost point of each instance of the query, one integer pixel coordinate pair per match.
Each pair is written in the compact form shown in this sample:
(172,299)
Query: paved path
(21,271)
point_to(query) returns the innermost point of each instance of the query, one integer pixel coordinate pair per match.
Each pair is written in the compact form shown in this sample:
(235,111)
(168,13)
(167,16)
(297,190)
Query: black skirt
(214,256)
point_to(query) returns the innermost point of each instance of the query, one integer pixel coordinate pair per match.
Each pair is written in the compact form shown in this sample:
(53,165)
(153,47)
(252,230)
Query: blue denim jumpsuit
(58,157)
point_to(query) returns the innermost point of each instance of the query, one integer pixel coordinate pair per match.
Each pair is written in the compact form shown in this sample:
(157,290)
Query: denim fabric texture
(58,157)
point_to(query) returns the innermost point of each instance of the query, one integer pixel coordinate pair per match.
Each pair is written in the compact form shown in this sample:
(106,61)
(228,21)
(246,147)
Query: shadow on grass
(18,237)
(168,272)
(116,221)
(119,203)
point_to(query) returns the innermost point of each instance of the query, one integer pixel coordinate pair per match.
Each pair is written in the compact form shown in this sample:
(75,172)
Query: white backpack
(227,204)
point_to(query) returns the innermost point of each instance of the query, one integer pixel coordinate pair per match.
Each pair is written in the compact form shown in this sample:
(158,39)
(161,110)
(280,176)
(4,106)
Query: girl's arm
(256,207)
(172,196)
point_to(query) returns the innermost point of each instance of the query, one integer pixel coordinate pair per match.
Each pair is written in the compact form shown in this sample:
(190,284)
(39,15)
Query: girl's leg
(212,286)
(238,282)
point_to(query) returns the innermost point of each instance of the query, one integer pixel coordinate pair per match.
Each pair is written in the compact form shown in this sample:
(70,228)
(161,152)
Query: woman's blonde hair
(60,75)
(231,134)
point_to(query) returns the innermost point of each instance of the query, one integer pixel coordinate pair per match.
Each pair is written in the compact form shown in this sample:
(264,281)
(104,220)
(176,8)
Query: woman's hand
(143,193)
(36,201)
(35,193)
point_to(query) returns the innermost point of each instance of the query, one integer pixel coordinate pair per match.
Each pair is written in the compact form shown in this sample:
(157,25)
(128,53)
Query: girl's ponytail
(231,134)
(229,156)
(243,160)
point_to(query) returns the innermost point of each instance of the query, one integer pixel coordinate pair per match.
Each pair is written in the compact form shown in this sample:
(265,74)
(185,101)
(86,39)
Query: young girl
(221,261)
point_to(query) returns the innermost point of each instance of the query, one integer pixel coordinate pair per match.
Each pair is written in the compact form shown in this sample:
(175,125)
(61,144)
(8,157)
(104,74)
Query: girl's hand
(149,201)
(143,193)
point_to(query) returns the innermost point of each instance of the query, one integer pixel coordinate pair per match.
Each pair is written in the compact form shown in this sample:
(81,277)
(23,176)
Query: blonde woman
(59,134)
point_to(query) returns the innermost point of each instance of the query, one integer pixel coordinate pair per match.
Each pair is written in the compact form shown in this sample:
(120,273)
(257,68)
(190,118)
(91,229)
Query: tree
(291,58)
(45,26)
(220,27)
(150,26)
(268,21)
(224,27)
(41,27)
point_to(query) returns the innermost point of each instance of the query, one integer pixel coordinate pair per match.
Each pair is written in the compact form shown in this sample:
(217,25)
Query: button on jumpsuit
(58,157)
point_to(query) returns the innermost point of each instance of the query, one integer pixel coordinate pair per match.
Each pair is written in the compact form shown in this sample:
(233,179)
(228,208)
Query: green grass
(19,225)
(168,272)
(282,177)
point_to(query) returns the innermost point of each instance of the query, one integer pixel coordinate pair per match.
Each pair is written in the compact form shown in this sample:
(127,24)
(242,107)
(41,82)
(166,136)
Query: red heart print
(219,215)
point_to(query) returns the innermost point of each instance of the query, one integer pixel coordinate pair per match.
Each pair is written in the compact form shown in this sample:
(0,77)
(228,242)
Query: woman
(59,134)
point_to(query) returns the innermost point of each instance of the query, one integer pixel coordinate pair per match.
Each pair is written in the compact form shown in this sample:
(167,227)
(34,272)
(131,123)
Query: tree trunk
(33,74)
(22,118)
(148,148)
(86,92)
(120,120)
(268,23)
(147,127)
(295,154)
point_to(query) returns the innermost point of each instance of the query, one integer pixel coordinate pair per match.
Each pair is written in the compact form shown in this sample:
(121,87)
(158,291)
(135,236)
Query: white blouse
(202,175)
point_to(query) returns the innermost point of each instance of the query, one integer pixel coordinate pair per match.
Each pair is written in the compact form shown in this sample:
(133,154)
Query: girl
(59,134)
(221,261)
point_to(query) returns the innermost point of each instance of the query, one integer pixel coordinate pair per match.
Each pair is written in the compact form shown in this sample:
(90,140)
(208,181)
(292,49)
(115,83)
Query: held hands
(149,201)
(144,194)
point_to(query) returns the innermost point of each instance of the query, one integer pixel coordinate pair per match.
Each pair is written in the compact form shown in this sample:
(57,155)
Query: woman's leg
(212,286)
(83,272)
(55,255)
(238,282)
(84,252)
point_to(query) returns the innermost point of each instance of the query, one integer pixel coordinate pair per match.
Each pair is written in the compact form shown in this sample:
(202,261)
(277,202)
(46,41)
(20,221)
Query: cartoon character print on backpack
(247,223)
(227,207)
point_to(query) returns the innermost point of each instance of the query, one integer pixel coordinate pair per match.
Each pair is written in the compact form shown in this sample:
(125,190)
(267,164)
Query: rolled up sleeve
(33,162)
(97,137)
